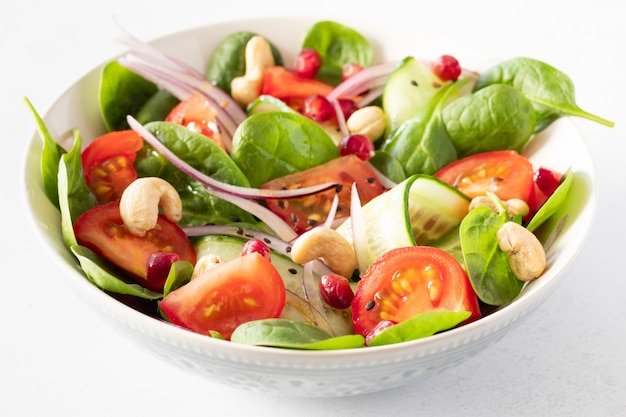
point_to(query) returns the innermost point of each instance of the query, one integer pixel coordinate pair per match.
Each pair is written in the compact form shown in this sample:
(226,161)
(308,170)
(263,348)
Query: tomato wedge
(102,230)
(507,174)
(108,164)
(306,212)
(197,114)
(408,281)
(243,289)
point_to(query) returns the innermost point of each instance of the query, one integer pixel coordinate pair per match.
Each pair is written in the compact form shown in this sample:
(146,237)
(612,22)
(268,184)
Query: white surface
(566,360)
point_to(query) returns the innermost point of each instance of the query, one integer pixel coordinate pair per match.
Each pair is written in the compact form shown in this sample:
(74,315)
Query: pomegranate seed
(307,63)
(547,180)
(347,107)
(158,266)
(256,245)
(349,69)
(446,68)
(359,145)
(317,108)
(336,291)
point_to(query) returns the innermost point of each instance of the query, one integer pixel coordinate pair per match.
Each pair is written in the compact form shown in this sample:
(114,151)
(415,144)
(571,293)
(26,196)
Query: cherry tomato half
(243,289)
(197,114)
(408,281)
(108,164)
(102,230)
(507,174)
(306,212)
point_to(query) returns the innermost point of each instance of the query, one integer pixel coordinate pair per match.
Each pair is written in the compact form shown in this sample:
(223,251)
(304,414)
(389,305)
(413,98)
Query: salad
(332,202)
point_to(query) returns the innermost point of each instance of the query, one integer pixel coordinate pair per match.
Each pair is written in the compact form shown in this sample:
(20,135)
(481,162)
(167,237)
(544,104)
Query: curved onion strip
(363,80)
(330,219)
(358,226)
(214,184)
(297,309)
(313,296)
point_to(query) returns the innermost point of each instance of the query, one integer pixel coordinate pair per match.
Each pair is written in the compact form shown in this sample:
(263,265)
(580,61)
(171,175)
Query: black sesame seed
(370,305)
(413,82)
(292,271)
(294,218)
(371,180)
(312,222)
(267,240)
(338,188)
(281,204)
(239,231)
(288,249)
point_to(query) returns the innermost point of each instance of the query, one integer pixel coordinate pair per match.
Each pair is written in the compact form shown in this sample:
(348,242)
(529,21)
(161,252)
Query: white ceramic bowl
(310,373)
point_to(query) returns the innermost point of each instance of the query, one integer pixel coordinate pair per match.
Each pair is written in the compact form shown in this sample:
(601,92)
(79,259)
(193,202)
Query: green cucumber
(418,211)
(229,247)
(408,90)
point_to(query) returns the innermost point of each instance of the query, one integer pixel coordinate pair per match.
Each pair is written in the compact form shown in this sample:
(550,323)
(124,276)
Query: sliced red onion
(214,184)
(330,219)
(304,309)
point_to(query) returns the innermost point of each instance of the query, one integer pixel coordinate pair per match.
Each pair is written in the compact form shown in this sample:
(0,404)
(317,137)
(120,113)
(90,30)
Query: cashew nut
(329,246)
(141,200)
(206,262)
(527,257)
(258,56)
(368,121)
(513,206)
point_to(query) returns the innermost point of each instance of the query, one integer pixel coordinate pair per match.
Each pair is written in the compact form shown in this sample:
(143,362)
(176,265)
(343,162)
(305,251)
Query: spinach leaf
(50,155)
(388,166)
(98,272)
(269,145)
(486,264)
(122,92)
(285,333)
(157,107)
(228,61)
(422,325)
(179,275)
(553,203)
(496,117)
(422,143)
(75,197)
(550,90)
(199,206)
(337,45)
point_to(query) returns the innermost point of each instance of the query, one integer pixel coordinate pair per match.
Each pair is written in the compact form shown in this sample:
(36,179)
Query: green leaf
(269,145)
(422,143)
(179,275)
(199,205)
(497,117)
(50,156)
(550,90)
(293,335)
(422,325)
(98,272)
(157,107)
(74,196)
(122,92)
(337,45)
(486,264)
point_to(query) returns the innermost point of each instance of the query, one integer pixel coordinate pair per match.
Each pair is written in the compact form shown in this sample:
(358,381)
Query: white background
(567,359)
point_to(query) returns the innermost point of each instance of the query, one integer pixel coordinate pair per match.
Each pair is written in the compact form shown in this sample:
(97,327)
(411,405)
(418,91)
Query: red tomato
(244,289)
(408,281)
(197,114)
(283,84)
(102,230)
(108,164)
(506,173)
(306,212)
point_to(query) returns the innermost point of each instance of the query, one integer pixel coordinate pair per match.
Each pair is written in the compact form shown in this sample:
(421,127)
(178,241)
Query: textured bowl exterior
(310,373)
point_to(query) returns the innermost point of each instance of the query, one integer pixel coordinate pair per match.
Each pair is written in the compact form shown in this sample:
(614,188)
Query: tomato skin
(244,289)
(507,174)
(108,164)
(407,281)
(283,84)
(306,212)
(102,230)
(197,114)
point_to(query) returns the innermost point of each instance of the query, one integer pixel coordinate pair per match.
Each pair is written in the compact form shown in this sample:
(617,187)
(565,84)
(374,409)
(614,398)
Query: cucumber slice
(418,211)
(408,90)
(229,247)
(267,103)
